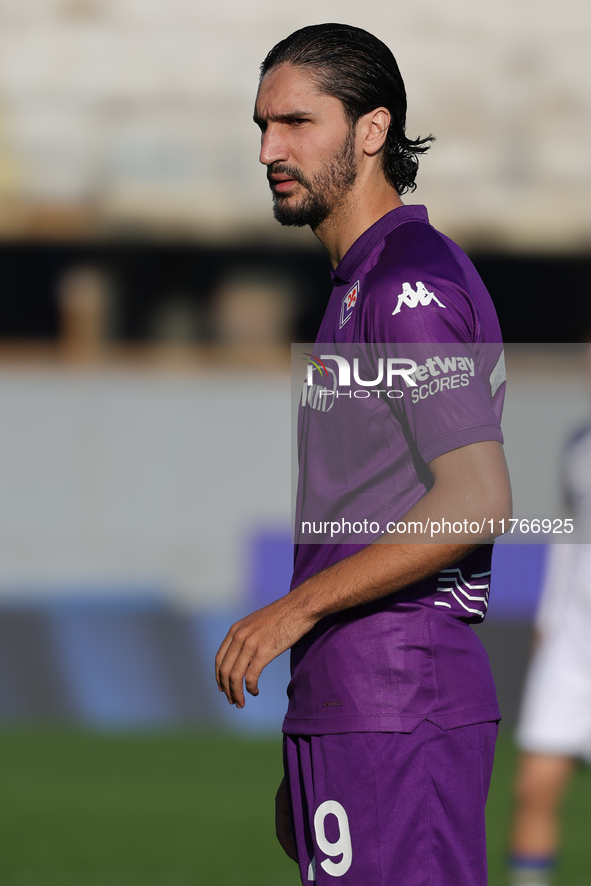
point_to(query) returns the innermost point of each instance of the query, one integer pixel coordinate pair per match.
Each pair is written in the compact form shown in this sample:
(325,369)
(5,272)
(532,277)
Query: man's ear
(375,127)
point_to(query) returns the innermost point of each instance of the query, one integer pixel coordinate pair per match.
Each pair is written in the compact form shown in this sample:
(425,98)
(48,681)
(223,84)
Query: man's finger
(255,669)
(226,669)
(237,674)
(221,654)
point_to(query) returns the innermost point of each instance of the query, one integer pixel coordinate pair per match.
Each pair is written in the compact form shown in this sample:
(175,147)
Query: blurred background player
(554,730)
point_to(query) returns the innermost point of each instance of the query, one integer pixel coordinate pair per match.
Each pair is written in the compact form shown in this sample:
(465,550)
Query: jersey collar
(346,269)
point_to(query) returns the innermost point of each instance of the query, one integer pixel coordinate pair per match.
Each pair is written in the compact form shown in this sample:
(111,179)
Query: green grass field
(79,809)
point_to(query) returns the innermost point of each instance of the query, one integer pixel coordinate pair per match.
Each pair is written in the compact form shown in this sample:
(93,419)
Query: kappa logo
(348,303)
(411,298)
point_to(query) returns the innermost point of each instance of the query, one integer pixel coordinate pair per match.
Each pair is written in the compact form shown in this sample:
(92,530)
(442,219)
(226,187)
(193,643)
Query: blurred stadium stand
(146,303)
(121,116)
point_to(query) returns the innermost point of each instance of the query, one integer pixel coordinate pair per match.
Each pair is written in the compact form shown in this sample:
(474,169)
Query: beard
(325,191)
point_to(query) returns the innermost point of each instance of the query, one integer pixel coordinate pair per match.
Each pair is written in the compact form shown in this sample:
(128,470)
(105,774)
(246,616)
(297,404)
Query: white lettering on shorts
(342,846)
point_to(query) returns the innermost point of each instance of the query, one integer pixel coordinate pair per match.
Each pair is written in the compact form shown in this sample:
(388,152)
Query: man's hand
(254,641)
(284,823)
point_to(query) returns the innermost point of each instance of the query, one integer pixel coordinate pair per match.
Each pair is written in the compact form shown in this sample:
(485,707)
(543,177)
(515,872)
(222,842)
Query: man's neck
(363,206)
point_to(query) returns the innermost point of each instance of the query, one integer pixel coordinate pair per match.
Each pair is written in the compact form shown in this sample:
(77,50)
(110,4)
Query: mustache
(291,171)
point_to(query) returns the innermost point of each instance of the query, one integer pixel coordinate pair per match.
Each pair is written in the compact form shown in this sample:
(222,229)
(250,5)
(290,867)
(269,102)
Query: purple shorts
(391,808)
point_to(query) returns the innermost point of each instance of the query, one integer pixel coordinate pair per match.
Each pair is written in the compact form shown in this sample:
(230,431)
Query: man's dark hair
(357,68)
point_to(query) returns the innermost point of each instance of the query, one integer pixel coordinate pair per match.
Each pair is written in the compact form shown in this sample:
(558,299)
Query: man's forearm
(374,572)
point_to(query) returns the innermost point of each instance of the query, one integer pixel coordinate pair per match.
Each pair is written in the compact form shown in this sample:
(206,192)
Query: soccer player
(554,730)
(392,718)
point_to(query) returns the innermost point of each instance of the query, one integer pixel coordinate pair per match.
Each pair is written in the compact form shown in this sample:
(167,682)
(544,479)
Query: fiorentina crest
(348,303)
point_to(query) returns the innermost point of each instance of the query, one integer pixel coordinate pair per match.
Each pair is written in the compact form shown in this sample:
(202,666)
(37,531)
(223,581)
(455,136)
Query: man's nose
(273,147)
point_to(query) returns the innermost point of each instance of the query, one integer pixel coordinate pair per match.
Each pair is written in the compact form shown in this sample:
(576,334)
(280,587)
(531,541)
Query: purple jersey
(411,656)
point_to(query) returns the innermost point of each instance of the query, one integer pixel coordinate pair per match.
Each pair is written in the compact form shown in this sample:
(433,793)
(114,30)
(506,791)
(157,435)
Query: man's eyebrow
(283,118)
